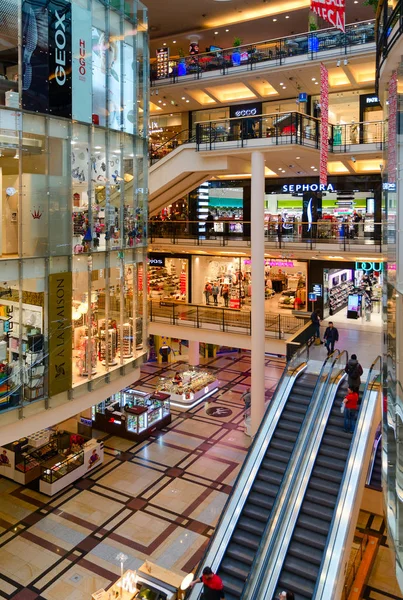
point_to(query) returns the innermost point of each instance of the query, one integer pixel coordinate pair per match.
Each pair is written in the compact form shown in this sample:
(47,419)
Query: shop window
(9,54)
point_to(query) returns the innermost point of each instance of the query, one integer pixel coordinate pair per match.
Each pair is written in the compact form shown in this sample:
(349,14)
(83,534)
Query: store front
(347,290)
(164,133)
(168,277)
(285,283)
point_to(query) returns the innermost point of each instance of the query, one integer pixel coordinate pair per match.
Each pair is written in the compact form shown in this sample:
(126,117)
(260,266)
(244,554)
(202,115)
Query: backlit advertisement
(59,37)
(99,76)
(129,110)
(81,64)
(35,68)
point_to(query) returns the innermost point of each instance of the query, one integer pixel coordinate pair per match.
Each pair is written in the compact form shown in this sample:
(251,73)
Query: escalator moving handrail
(326,560)
(377,440)
(246,465)
(306,436)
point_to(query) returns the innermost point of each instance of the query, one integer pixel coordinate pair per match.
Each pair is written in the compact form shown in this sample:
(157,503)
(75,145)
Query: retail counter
(132,414)
(195,387)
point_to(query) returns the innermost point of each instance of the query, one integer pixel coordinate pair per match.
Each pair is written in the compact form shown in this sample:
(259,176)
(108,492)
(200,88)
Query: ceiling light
(287,17)
(274,20)
(284,88)
(297,157)
(316,82)
(227,30)
(159,101)
(281,83)
(164,104)
(174,42)
(187,100)
(164,44)
(183,98)
(313,78)
(216,33)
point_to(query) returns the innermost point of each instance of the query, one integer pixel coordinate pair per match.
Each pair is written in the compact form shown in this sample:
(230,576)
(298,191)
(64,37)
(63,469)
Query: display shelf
(338,296)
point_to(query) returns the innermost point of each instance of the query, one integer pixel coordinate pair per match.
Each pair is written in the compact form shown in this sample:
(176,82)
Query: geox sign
(59,19)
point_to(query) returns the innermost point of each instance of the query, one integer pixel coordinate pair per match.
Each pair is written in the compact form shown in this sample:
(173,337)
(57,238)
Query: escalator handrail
(270,539)
(189,140)
(321,591)
(377,440)
(246,476)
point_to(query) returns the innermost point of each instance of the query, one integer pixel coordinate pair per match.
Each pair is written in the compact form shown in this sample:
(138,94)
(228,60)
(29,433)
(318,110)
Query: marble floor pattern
(159,499)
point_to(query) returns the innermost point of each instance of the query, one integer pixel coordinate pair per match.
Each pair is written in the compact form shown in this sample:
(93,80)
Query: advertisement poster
(332,11)
(324,124)
(81,64)
(7,462)
(35,67)
(59,38)
(129,110)
(99,76)
(162,63)
(392,132)
(60,334)
(93,455)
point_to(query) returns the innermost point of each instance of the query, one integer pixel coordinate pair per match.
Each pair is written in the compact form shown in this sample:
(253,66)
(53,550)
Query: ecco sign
(246,113)
(308,187)
(368,266)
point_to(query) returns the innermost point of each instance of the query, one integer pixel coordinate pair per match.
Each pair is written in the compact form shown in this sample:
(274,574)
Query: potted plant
(182,63)
(236,55)
(313,42)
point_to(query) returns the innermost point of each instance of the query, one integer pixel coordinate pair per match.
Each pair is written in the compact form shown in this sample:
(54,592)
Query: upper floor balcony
(289,51)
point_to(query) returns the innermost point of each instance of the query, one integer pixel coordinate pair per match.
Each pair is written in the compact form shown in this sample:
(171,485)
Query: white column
(258,313)
(194,356)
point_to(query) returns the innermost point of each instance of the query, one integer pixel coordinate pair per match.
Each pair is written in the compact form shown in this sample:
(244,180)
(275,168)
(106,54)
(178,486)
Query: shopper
(280,225)
(315,318)
(225,294)
(209,223)
(286,596)
(357,218)
(213,587)
(354,372)
(246,397)
(350,410)
(215,291)
(331,337)
(207,292)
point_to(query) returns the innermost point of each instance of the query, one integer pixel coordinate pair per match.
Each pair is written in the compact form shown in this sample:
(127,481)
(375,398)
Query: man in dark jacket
(213,587)
(315,318)
(331,337)
(354,372)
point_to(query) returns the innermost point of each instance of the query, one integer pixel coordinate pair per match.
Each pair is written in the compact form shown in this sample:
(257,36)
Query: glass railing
(226,320)
(158,151)
(228,232)
(314,45)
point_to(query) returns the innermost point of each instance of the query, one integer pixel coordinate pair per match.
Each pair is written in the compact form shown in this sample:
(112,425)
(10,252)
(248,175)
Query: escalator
(374,477)
(246,537)
(304,557)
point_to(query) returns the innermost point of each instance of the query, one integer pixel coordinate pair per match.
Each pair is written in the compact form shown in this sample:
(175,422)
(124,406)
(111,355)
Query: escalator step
(280,448)
(269,477)
(328,462)
(295,417)
(288,436)
(335,429)
(295,407)
(324,499)
(328,474)
(249,541)
(233,586)
(299,586)
(315,509)
(302,399)
(237,569)
(303,568)
(312,524)
(238,552)
(251,526)
(328,487)
(316,540)
(289,425)
(265,488)
(299,550)
(255,512)
(265,502)
(326,450)
(273,465)
(341,441)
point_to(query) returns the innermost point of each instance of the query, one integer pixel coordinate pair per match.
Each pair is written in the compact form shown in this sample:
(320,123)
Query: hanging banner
(59,31)
(392,132)
(324,124)
(332,11)
(82,64)
(60,333)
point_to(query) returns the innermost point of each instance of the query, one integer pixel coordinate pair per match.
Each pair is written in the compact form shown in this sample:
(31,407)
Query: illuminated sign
(368,266)
(317,289)
(372,100)
(246,113)
(312,297)
(307,187)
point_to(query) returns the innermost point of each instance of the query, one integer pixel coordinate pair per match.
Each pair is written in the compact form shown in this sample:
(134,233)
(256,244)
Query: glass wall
(73,207)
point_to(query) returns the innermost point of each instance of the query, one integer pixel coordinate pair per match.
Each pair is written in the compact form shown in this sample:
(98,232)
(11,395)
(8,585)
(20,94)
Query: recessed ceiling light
(187,100)
(216,33)
(287,17)
(183,98)
(159,101)
(281,83)
(280,169)
(313,167)
(227,30)
(164,44)
(274,20)
(316,82)
(284,88)
(313,78)
(297,157)
(164,104)
(174,42)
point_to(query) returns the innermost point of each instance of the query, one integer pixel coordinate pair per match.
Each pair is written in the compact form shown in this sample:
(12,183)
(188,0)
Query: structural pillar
(194,354)
(258,292)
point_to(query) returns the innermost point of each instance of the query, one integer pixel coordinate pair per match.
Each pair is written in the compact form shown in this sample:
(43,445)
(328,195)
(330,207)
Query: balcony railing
(389,29)
(327,232)
(314,45)
(226,320)
(286,128)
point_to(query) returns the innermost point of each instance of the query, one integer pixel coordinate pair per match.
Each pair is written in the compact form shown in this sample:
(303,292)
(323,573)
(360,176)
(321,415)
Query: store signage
(307,187)
(317,289)
(280,263)
(372,100)
(87,422)
(156,262)
(303,97)
(332,11)
(219,411)
(324,122)
(246,110)
(368,266)
(60,67)
(246,113)
(312,297)
(82,63)
(60,333)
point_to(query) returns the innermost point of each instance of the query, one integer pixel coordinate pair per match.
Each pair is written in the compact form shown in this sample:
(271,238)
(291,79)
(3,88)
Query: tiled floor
(160,500)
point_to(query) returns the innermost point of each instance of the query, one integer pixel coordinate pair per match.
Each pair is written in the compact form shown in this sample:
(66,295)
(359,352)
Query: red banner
(332,11)
(392,132)
(324,125)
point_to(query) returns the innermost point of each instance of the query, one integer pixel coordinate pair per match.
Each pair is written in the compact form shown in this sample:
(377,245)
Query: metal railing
(222,319)
(389,28)
(314,45)
(232,232)
(355,564)
(156,152)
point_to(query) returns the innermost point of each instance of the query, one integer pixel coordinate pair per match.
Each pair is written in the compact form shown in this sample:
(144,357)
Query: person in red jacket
(350,410)
(213,587)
